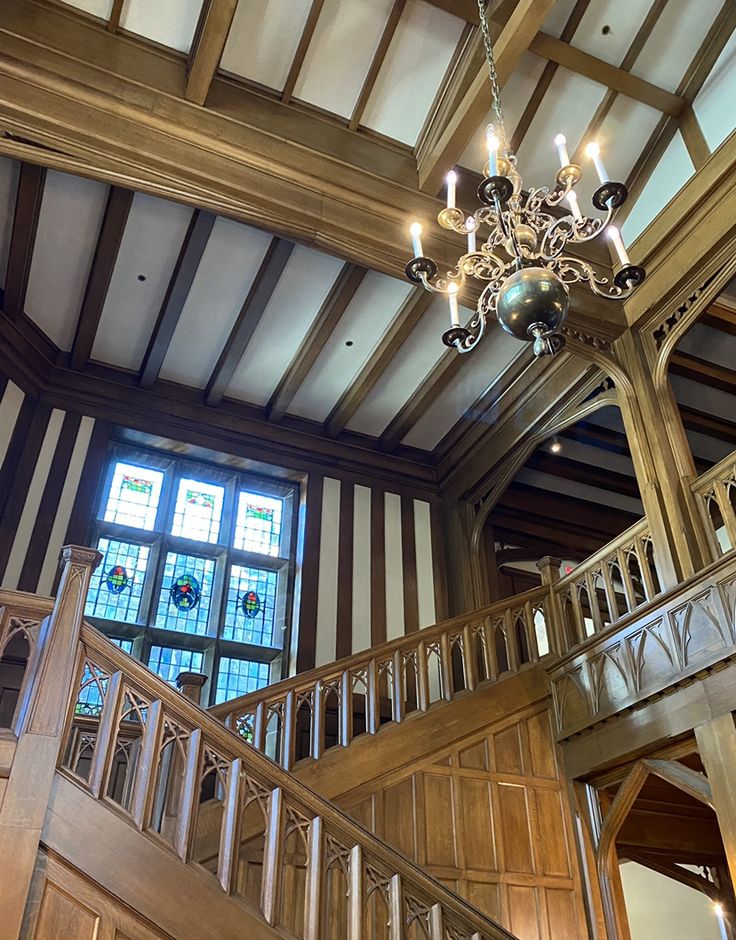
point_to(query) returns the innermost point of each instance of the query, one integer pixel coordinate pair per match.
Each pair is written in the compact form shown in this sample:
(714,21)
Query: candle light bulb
(594,152)
(454,312)
(618,244)
(470,228)
(561,144)
(416,239)
(451,182)
(493,144)
(572,201)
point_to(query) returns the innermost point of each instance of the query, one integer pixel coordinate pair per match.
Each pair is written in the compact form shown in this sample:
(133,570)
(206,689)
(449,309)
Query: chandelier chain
(488,45)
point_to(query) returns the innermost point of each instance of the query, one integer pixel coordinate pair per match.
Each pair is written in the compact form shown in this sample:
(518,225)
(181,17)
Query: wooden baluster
(554,622)
(317,744)
(104,751)
(629,592)
(610,592)
(578,614)
(228,858)
(272,859)
(531,633)
(187,817)
(490,654)
(727,511)
(145,778)
(315,870)
(512,648)
(448,688)
(373,700)
(356,894)
(646,572)
(346,708)
(593,602)
(398,691)
(423,696)
(470,669)
(259,727)
(396,926)
(436,922)
(288,731)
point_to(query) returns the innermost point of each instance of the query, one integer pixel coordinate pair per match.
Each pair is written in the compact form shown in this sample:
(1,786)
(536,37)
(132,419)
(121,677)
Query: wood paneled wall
(489,817)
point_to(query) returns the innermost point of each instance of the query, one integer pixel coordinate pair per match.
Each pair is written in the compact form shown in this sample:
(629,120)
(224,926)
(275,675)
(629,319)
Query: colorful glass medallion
(259,512)
(195,498)
(185,592)
(117,579)
(250,604)
(137,485)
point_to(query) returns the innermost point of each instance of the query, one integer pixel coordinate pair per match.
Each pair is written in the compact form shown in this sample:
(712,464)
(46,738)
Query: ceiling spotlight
(555,447)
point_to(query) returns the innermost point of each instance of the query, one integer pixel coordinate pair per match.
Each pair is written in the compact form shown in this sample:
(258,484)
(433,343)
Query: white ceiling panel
(263,40)
(420,52)
(8,188)
(478,371)
(341,52)
(369,313)
(226,272)
(153,237)
(669,176)
(515,96)
(68,226)
(596,457)
(594,494)
(605,33)
(100,8)
(709,344)
(674,41)
(171,23)
(410,365)
(299,294)
(558,17)
(714,105)
(711,401)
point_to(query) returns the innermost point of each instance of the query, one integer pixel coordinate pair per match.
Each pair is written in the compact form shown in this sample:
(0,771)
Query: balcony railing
(715,492)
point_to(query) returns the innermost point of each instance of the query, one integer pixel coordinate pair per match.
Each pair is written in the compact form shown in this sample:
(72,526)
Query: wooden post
(717,745)
(41,719)
(190,685)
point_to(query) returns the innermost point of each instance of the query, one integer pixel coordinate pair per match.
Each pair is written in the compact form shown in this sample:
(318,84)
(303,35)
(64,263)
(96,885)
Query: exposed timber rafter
(301,50)
(214,25)
(703,372)
(23,237)
(113,23)
(378,60)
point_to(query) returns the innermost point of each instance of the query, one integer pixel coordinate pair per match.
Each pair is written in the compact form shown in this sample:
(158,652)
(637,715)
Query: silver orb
(526,238)
(532,299)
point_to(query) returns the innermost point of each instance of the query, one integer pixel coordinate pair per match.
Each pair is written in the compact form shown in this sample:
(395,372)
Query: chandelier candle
(522,258)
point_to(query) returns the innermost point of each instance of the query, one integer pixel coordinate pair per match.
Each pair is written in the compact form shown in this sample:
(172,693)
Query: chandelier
(521,252)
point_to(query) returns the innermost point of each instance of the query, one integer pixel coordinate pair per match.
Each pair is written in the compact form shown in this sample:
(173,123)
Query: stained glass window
(248,625)
(117,583)
(169,662)
(134,496)
(258,524)
(125,645)
(198,511)
(239,676)
(191,618)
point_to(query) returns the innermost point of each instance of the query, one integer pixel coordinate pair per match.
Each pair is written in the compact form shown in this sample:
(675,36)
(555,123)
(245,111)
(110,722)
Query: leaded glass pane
(134,496)
(125,645)
(186,593)
(117,583)
(251,606)
(169,662)
(198,511)
(258,524)
(239,676)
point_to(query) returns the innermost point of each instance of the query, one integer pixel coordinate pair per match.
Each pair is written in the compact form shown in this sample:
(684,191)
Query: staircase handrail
(712,490)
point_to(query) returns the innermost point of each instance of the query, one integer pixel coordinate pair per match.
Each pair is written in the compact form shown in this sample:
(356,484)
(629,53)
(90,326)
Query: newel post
(549,569)
(190,684)
(42,716)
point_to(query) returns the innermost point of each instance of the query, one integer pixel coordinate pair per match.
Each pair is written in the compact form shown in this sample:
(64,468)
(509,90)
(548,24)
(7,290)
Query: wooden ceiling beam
(513,41)
(190,255)
(516,528)
(28,199)
(254,306)
(105,257)
(399,330)
(704,373)
(378,59)
(555,506)
(343,290)
(709,425)
(215,21)
(113,23)
(464,9)
(301,50)
(577,471)
(720,318)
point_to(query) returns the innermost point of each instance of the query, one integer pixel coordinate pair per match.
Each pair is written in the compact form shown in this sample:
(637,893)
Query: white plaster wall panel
(301,290)
(558,17)
(263,40)
(340,53)
(361,568)
(9,170)
(394,567)
(68,227)
(168,22)
(420,52)
(326,639)
(226,272)
(99,8)
(714,104)
(425,565)
(153,237)
(669,176)
(364,322)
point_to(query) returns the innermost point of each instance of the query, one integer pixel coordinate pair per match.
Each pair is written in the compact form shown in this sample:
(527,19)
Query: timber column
(663,465)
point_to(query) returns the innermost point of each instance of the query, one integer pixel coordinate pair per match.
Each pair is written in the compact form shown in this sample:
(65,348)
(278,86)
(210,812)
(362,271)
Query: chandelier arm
(571,270)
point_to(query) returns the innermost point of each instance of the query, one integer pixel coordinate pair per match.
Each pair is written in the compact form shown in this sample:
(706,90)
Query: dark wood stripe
(309,564)
(3,385)
(49,504)
(378,566)
(113,23)
(439,564)
(254,306)
(30,429)
(23,237)
(192,249)
(112,229)
(409,565)
(15,449)
(344,638)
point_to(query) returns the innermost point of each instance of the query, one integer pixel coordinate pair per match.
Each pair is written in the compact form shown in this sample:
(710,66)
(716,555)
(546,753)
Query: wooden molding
(216,20)
(23,237)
